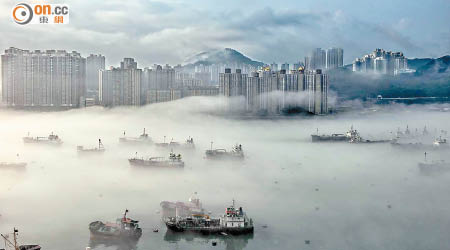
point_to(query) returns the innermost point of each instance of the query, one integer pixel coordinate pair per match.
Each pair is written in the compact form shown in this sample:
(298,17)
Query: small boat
(13,244)
(174,161)
(440,143)
(143,138)
(123,229)
(221,154)
(100,149)
(52,139)
(13,165)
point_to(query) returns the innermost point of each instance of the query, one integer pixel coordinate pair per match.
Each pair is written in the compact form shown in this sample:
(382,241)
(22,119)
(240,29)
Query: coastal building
(94,63)
(51,78)
(121,86)
(334,58)
(382,62)
(275,91)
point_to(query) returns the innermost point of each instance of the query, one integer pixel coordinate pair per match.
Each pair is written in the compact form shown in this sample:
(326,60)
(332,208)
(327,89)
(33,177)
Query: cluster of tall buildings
(61,79)
(275,91)
(382,62)
(331,58)
(51,78)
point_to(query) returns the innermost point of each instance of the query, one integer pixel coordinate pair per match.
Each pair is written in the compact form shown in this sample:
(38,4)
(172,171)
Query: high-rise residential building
(285,66)
(232,84)
(382,62)
(121,86)
(316,60)
(94,63)
(298,65)
(51,78)
(334,58)
(274,66)
(273,91)
(316,85)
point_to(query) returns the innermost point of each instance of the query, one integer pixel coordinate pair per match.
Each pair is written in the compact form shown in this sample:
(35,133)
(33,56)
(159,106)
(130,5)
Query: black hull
(329,138)
(212,230)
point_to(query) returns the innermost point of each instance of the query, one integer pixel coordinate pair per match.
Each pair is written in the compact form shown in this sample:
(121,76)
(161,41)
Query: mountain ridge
(220,56)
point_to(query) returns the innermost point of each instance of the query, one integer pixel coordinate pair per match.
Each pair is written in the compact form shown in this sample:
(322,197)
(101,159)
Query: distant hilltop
(226,56)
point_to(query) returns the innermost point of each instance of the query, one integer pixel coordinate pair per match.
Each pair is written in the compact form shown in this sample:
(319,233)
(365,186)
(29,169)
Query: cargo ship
(174,161)
(14,245)
(13,165)
(332,137)
(234,222)
(438,143)
(182,209)
(52,139)
(188,144)
(144,138)
(99,149)
(124,229)
(221,154)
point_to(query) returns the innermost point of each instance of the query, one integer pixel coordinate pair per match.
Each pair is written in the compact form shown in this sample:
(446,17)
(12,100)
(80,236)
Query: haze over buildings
(51,78)
(275,91)
(382,62)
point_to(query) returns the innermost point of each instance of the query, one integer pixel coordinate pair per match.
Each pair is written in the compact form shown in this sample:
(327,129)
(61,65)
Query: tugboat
(143,138)
(52,139)
(13,165)
(123,229)
(221,154)
(14,244)
(174,161)
(234,221)
(100,149)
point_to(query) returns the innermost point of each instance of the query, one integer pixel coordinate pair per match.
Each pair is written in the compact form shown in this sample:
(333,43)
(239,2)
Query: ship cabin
(233,218)
(127,223)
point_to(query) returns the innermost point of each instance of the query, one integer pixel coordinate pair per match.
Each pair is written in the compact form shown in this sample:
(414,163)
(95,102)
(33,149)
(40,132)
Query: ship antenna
(125,215)
(233,202)
(317,131)
(144,132)
(425,156)
(15,239)
(164,139)
(124,133)
(211,145)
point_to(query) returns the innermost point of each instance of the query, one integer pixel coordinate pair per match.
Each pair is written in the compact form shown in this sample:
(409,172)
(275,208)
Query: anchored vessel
(173,161)
(332,137)
(236,153)
(124,228)
(179,208)
(189,144)
(234,221)
(13,165)
(143,138)
(15,245)
(52,139)
(100,149)
(438,143)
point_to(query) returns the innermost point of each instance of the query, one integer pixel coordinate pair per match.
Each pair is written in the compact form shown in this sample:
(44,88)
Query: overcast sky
(169,31)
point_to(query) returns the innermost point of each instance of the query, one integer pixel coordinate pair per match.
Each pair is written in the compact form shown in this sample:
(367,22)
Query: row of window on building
(276,91)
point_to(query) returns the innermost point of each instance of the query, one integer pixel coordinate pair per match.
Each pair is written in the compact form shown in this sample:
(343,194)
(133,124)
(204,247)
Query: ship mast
(16,247)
